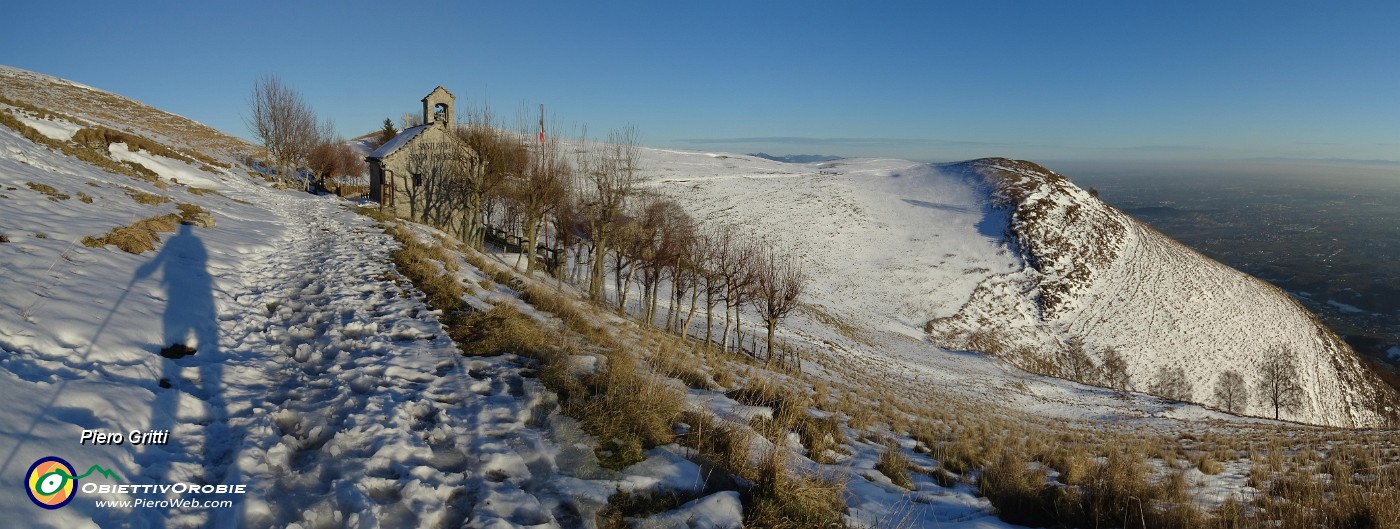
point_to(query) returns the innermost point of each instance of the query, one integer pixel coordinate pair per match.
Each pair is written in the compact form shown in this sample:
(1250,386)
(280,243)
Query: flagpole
(546,224)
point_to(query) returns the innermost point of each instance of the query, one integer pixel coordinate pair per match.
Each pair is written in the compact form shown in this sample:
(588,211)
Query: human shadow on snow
(192,364)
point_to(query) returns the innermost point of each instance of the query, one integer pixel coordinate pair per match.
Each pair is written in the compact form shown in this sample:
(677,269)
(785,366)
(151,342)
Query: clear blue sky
(1121,81)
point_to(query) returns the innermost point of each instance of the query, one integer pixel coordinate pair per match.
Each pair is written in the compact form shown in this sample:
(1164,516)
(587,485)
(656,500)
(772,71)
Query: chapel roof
(397,142)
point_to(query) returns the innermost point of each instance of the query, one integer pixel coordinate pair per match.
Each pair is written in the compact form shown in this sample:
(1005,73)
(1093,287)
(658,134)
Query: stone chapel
(403,171)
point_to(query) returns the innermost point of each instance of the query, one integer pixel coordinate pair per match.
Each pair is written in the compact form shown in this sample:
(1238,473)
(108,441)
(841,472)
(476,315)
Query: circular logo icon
(50,482)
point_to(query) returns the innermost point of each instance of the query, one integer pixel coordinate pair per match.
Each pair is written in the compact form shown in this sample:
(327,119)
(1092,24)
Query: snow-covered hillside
(322,381)
(316,377)
(1102,277)
(319,380)
(1010,249)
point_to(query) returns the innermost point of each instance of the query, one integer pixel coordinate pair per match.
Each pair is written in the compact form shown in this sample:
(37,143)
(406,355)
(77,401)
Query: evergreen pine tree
(388,132)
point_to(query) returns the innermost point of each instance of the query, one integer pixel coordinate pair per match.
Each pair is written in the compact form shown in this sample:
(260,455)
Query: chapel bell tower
(438,106)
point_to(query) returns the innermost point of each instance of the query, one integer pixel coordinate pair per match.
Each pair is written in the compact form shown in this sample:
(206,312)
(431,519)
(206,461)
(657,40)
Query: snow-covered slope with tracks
(1018,254)
(320,381)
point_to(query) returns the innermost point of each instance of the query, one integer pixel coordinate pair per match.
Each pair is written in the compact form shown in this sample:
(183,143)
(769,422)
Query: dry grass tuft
(202,191)
(427,266)
(371,212)
(9,120)
(137,237)
(627,409)
(501,330)
(149,199)
(1119,492)
(720,441)
(48,190)
(822,437)
(542,298)
(783,498)
(1019,492)
(142,235)
(101,138)
(1207,464)
(41,113)
(895,465)
(626,505)
(779,496)
(763,391)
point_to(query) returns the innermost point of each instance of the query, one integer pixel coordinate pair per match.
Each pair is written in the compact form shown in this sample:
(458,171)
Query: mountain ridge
(1082,254)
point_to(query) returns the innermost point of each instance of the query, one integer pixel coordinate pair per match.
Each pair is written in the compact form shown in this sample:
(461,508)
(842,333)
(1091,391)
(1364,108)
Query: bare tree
(566,236)
(677,244)
(1231,392)
(327,158)
(779,281)
(1076,363)
(647,248)
(626,234)
(284,124)
(716,243)
(609,175)
(324,162)
(736,270)
(1171,384)
(655,248)
(1278,381)
(350,162)
(1115,370)
(501,156)
(695,254)
(539,189)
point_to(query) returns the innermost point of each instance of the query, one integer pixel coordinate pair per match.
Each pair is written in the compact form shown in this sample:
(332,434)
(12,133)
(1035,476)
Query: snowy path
(341,403)
(320,380)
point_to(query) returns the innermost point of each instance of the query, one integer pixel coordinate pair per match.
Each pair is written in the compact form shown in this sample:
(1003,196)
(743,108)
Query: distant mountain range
(797,158)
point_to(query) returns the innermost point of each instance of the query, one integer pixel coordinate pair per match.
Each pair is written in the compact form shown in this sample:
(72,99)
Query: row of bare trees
(1276,383)
(555,202)
(581,205)
(716,267)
